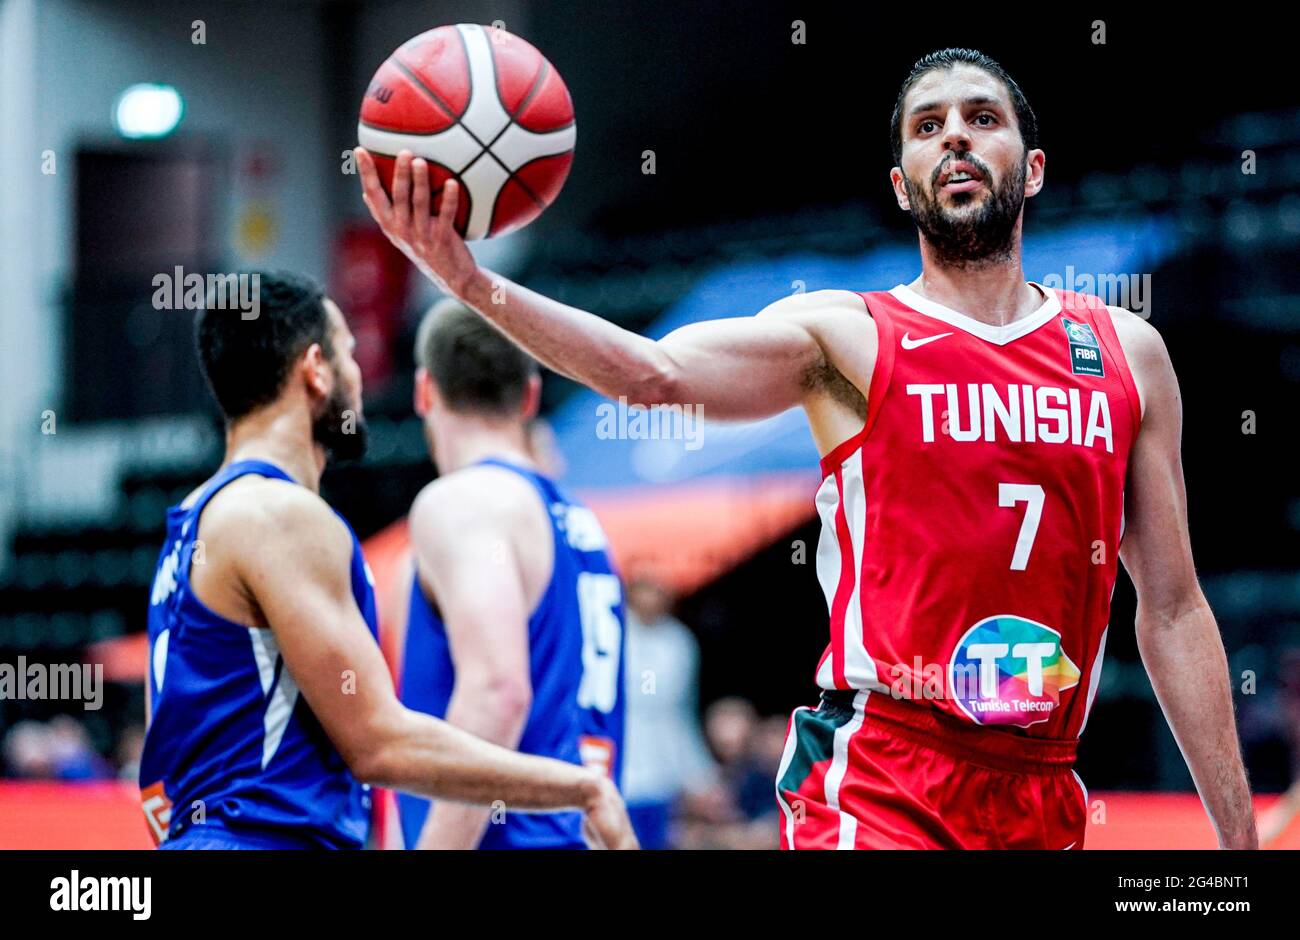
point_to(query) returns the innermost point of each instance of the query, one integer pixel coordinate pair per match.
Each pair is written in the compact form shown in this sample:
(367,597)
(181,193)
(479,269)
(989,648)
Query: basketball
(482,106)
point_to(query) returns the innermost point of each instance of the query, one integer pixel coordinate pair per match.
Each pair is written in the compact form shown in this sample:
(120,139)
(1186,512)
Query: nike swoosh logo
(909,343)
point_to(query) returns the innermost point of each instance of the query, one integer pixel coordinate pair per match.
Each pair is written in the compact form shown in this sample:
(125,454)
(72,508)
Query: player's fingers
(620,835)
(420,196)
(447,210)
(372,190)
(590,835)
(402,191)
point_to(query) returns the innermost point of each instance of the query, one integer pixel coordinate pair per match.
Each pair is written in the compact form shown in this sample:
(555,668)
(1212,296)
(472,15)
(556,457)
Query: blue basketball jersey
(575,653)
(233,749)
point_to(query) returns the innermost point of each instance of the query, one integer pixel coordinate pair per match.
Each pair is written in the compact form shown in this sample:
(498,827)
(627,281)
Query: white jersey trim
(845,488)
(840,765)
(279,706)
(787,757)
(1094,678)
(998,335)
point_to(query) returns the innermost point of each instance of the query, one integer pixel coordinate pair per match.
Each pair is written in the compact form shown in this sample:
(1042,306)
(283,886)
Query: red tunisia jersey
(970,530)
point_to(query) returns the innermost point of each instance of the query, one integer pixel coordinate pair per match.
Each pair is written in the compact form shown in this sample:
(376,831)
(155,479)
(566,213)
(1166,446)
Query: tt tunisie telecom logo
(1008,670)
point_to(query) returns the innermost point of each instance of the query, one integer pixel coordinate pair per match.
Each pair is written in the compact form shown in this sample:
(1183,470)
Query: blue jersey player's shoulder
(479,492)
(487,502)
(270,505)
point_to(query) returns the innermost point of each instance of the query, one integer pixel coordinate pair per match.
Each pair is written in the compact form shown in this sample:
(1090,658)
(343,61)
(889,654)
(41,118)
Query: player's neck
(281,437)
(996,295)
(463,441)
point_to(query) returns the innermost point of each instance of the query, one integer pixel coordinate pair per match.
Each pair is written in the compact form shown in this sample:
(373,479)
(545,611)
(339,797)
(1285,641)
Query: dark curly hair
(946,59)
(245,361)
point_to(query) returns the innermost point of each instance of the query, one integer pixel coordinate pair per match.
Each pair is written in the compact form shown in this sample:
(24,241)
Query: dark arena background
(728,154)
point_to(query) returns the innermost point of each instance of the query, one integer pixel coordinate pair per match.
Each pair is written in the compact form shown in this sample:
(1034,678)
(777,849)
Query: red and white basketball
(483,106)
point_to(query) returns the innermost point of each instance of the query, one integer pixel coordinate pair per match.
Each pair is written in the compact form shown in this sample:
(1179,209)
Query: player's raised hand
(429,239)
(605,824)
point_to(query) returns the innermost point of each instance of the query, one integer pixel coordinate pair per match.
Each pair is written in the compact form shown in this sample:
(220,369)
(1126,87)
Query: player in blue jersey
(270,707)
(516,617)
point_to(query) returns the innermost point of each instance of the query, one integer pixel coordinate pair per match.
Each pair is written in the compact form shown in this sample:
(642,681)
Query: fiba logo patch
(1085,351)
(1008,670)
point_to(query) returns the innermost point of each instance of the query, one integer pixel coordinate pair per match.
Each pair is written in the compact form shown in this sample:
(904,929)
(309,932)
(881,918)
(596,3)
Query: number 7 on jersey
(1032,495)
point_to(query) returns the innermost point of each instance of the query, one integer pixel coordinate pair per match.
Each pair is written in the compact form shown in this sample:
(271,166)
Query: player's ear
(423,393)
(316,370)
(1035,162)
(900,191)
(532,397)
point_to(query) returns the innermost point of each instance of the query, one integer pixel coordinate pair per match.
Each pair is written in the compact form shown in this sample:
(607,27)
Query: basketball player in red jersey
(986,444)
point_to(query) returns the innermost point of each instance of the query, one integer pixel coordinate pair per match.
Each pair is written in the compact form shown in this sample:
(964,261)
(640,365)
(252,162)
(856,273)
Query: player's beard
(970,239)
(340,427)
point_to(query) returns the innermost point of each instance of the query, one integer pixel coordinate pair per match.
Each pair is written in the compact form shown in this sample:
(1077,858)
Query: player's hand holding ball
(466,132)
(429,239)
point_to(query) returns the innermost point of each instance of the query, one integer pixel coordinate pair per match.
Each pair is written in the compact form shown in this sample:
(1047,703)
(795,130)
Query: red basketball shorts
(867,771)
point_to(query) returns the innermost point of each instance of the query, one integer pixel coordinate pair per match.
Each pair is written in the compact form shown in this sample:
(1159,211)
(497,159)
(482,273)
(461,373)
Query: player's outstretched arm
(463,531)
(743,368)
(1177,635)
(295,562)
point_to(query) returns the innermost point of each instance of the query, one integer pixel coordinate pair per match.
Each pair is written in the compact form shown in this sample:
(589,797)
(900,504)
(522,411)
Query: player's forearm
(496,716)
(422,755)
(1184,656)
(589,349)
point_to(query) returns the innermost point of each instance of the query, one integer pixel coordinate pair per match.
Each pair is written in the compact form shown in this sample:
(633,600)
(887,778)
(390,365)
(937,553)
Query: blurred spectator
(74,756)
(748,749)
(767,745)
(27,753)
(666,756)
(733,727)
(59,750)
(730,723)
